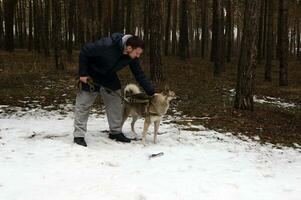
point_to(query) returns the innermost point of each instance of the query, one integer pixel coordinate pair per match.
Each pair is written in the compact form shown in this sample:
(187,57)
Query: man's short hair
(135,42)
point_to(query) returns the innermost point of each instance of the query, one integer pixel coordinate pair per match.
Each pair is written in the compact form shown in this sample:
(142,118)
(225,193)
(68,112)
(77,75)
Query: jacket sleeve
(141,78)
(88,51)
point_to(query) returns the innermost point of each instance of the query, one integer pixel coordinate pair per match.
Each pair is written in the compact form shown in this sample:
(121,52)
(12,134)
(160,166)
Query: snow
(269,100)
(39,161)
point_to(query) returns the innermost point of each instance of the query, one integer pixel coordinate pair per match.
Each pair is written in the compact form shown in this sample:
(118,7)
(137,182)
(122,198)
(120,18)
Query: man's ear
(129,48)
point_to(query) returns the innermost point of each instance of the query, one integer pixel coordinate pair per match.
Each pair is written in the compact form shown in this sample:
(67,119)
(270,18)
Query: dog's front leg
(133,125)
(156,128)
(145,128)
(125,115)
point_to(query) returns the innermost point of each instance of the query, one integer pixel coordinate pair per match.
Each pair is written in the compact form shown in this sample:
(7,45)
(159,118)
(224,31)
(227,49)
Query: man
(100,61)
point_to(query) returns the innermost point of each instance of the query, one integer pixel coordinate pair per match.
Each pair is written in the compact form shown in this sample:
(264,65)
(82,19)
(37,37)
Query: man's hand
(83,79)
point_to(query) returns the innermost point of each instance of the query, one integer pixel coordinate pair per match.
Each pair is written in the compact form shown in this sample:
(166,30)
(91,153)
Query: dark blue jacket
(102,59)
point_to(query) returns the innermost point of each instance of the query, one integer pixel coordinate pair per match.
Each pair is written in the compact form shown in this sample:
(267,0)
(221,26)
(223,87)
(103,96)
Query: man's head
(134,47)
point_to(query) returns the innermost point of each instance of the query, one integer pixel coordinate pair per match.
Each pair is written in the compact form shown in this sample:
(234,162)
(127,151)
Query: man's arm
(141,78)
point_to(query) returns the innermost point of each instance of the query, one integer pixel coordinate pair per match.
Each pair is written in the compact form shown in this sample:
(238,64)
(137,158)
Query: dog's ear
(171,93)
(165,90)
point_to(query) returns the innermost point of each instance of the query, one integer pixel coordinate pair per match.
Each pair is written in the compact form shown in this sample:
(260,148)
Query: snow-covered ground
(39,161)
(269,100)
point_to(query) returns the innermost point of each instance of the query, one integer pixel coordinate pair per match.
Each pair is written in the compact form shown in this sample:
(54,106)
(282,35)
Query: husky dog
(152,110)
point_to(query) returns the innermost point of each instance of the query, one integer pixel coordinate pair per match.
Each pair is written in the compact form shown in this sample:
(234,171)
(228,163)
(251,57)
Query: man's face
(134,53)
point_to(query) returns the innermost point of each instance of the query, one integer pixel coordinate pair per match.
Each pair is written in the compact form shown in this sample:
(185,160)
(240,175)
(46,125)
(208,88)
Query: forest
(218,115)
(234,64)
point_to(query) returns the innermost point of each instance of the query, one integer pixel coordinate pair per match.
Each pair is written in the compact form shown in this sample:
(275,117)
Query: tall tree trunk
(298,32)
(222,42)
(260,32)
(1,25)
(16,28)
(146,24)
(295,37)
(167,29)
(30,36)
(9,10)
(290,44)
(155,21)
(42,24)
(229,30)
(116,16)
(198,18)
(265,28)
(269,48)
(19,24)
(108,20)
(57,33)
(215,14)
(46,28)
(217,52)
(184,41)
(100,17)
(71,19)
(129,16)
(123,16)
(247,60)
(24,21)
(65,19)
(205,32)
(174,28)
(191,39)
(283,41)
(238,39)
(81,26)
(36,30)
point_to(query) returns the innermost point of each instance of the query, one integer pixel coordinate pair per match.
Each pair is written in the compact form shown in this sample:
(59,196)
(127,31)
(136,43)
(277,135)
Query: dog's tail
(131,89)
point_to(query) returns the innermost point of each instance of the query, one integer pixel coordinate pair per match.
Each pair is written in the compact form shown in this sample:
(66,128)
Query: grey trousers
(113,108)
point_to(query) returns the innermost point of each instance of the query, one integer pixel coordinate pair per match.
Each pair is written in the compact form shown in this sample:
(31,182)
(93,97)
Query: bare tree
(9,13)
(229,30)
(146,22)
(299,30)
(283,41)
(205,32)
(57,34)
(167,29)
(36,24)
(1,25)
(184,41)
(46,28)
(155,21)
(129,16)
(30,26)
(260,31)
(71,19)
(174,27)
(269,48)
(116,22)
(247,59)
(217,50)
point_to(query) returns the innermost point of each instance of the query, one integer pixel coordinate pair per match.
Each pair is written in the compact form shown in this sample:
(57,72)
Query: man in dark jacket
(100,61)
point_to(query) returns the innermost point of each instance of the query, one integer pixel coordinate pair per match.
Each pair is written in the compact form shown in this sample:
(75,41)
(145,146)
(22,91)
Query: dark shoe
(80,141)
(119,137)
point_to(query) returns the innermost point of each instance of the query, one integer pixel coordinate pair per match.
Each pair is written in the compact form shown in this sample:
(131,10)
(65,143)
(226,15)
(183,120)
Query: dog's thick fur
(151,112)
